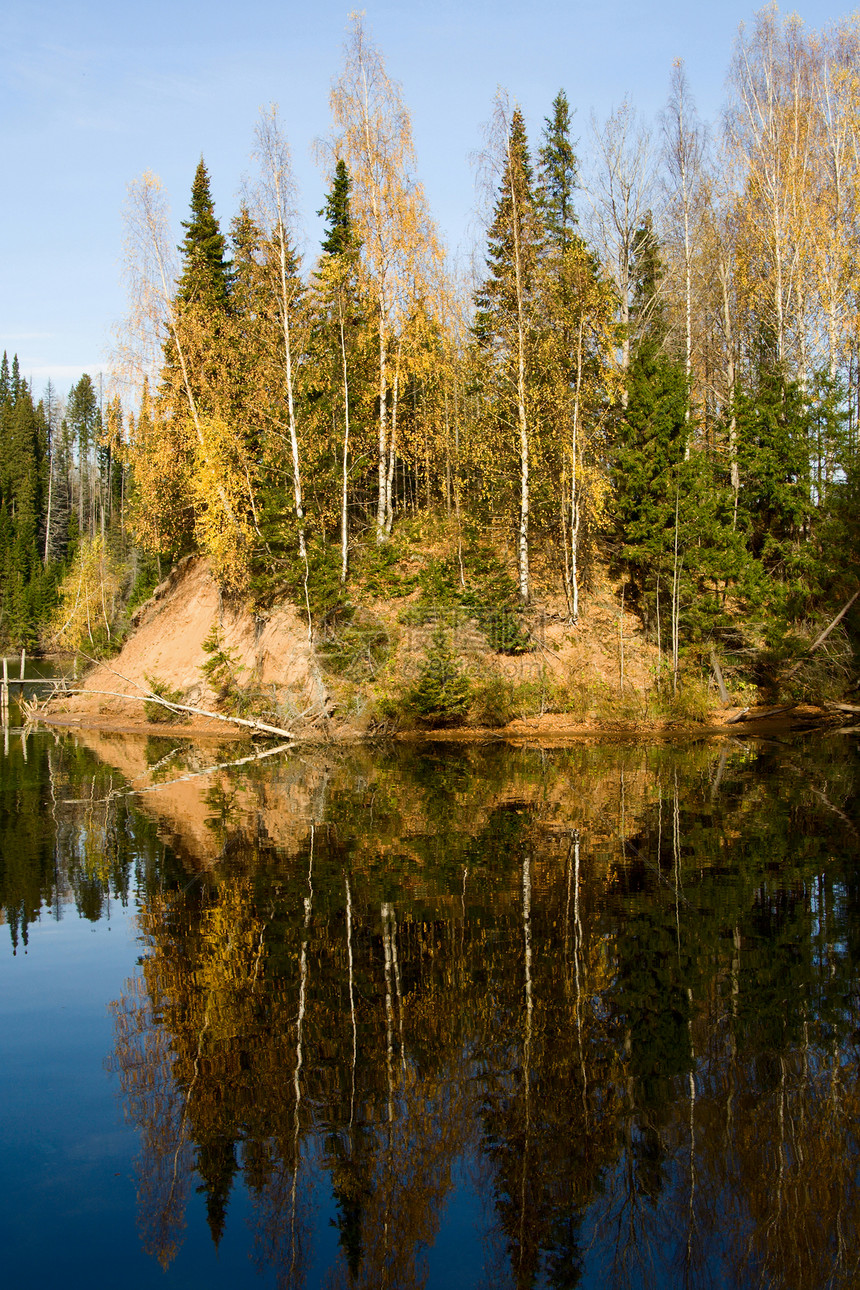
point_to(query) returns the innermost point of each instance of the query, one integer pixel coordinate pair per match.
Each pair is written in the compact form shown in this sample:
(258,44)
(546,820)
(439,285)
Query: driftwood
(846,707)
(748,714)
(262,727)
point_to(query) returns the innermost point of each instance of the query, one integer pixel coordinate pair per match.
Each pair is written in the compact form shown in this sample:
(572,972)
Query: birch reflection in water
(652,1075)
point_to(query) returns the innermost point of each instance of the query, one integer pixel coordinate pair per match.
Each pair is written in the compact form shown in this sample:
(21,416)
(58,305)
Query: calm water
(435,1016)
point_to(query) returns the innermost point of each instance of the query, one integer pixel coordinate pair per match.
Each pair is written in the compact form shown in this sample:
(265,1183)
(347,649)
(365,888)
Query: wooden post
(23,661)
(4,693)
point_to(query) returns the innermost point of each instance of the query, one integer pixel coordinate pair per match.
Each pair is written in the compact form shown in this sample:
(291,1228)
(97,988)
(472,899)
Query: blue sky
(92,94)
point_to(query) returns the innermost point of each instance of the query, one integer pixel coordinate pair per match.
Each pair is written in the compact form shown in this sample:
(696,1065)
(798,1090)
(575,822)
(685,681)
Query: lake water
(435,1016)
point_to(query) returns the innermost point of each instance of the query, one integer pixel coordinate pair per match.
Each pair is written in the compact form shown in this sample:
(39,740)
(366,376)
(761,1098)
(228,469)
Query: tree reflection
(634,1023)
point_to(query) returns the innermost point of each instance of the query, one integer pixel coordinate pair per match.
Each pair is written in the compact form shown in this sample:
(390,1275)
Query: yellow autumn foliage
(221,491)
(88,598)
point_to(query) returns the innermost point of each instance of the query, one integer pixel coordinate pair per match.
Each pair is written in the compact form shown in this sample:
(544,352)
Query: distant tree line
(61,489)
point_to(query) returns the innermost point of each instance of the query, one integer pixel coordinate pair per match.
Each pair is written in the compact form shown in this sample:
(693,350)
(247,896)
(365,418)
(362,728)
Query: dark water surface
(443,1016)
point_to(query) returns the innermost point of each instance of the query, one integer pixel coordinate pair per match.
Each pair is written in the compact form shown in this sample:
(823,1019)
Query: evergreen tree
(505,307)
(651,435)
(339,344)
(24,586)
(557,176)
(205,277)
(83,418)
(773,455)
(340,236)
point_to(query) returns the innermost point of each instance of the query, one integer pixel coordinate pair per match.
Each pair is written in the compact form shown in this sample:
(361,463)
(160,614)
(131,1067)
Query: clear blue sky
(93,93)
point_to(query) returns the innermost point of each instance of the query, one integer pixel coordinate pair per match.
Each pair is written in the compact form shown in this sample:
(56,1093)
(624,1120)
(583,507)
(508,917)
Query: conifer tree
(24,583)
(339,316)
(83,418)
(651,431)
(205,276)
(558,170)
(505,306)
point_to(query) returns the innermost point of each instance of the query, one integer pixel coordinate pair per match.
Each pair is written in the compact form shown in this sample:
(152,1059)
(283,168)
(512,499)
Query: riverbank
(221,661)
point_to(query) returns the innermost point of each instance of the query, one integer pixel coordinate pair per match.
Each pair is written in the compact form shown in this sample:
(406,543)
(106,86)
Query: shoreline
(550,729)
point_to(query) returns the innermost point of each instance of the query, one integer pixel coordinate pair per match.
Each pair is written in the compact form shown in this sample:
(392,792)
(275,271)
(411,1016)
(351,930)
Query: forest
(649,372)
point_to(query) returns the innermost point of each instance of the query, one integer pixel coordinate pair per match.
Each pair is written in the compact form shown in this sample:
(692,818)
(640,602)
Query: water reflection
(64,838)
(605,1000)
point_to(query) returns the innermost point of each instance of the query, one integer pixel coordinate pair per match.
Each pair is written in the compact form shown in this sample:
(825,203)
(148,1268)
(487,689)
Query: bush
(221,668)
(442,692)
(157,712)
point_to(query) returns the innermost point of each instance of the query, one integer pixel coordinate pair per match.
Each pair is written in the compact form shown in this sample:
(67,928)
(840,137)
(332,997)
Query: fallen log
(262,727)
(822,637)
(750,714)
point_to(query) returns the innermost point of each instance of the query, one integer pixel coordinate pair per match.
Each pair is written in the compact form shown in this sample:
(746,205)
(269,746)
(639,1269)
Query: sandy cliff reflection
(603,1004)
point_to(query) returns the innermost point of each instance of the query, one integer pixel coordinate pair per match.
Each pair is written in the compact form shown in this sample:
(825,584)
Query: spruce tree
(83,418)
(651,435)
(513,239)
(557,176)
(340,236)
(773,455)
(337,335)
(205,277)
(23,456)
(504,319)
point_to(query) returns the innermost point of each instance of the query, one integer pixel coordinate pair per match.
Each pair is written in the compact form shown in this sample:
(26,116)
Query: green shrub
(492,701)
(221,668)
(442,692)
(690,702)
(157,712)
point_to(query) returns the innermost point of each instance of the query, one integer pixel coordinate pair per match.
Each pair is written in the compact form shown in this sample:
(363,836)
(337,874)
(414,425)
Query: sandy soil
(167,644)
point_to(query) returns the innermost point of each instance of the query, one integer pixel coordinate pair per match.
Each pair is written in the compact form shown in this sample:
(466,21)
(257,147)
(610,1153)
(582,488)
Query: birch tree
(769,133)
(621,194)
(683,149)
(275,202)
(372,133)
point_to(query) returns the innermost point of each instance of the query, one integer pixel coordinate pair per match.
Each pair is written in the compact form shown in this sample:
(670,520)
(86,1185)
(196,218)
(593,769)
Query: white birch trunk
(344,514)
